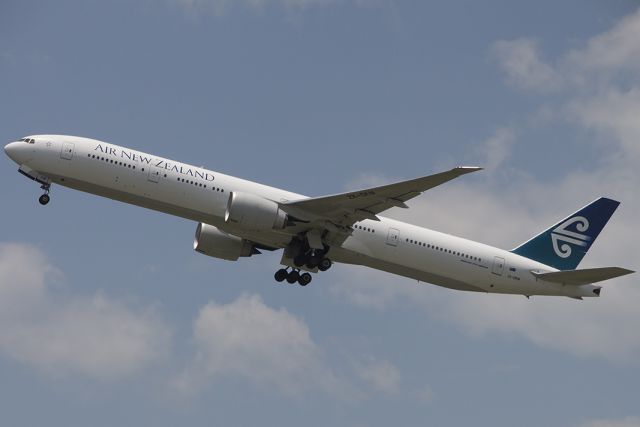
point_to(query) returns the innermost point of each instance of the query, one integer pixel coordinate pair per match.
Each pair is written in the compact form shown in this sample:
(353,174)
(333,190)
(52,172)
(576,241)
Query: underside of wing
(584,276)
(347,208)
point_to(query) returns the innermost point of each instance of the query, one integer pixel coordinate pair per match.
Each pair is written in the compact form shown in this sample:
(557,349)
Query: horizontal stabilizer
(582,277)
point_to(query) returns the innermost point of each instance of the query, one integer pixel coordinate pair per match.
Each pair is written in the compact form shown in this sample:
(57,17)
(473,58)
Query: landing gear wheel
(281,275)
(293,276)
(44,199)
(325,264)
(304,279)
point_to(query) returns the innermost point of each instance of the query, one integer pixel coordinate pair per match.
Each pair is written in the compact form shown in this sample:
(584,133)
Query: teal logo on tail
(563,234)
(564,245)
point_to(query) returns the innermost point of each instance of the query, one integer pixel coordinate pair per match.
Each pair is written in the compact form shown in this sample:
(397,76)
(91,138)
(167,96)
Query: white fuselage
(202,195)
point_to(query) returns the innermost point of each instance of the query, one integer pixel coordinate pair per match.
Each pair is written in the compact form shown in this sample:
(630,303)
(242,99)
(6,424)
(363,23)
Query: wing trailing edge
(349,208)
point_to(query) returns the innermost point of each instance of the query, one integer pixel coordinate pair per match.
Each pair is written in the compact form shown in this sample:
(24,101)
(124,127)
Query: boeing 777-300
(239,218)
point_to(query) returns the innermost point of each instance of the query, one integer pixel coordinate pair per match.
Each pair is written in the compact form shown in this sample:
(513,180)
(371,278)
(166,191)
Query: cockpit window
(28,140)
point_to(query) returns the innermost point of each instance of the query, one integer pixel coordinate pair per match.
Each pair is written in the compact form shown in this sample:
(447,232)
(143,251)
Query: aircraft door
(393,237)
(67,151)
(154,173)
(498,266)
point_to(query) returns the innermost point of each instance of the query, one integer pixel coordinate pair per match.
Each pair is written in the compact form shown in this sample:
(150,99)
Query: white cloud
(94,336)
(266,347)
(521,62)
(610,55)
(613,112)
(622,422)
(615,50)
(497,148)
(382,375)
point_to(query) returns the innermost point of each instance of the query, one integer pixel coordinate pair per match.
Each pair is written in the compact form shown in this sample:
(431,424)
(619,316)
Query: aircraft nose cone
(19,152)
(9,149)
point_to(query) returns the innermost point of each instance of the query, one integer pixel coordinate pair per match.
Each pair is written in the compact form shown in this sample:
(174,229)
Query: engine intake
(254,213)
(212,241)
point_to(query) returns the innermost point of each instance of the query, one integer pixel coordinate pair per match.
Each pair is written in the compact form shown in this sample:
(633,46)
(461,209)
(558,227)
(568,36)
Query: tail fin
(564,245)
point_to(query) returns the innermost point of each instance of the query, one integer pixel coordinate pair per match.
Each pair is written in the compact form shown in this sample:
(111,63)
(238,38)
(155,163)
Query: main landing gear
(313,259)
(293,276)
(44,199)
(299,255)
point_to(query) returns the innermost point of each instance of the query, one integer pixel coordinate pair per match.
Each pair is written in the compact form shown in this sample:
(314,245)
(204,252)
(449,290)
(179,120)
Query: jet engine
(216,243)
(254,213)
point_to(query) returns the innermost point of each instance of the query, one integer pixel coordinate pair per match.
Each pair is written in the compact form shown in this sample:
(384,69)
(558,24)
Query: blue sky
(108,317)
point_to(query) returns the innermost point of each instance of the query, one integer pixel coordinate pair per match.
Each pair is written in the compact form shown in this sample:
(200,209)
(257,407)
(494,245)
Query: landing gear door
(498,266)
(287,261)
(393,236)
(67,151)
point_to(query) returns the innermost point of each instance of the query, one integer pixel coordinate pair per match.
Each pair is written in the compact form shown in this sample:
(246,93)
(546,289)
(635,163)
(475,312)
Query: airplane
(239,218)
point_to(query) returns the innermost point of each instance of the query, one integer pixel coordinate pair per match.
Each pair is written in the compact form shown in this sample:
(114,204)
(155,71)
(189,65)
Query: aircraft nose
(19,152)
(10,148)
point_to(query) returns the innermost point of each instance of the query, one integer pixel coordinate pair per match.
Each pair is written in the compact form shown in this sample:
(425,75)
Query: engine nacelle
(254,213)
(214,242)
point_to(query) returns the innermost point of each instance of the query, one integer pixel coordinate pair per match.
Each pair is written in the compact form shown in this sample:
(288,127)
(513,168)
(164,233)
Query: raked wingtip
(470,168)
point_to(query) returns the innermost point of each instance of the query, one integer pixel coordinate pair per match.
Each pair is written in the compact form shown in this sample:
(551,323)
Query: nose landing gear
(45,198)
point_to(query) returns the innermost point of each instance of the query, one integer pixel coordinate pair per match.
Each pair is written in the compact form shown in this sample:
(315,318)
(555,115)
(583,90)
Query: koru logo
(560,234)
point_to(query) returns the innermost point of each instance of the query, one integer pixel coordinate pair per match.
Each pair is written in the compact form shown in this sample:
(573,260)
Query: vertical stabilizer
(564,245)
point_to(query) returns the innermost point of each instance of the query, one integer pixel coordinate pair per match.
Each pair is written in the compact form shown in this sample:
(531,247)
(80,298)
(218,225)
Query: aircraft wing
(584,276)
(348,208)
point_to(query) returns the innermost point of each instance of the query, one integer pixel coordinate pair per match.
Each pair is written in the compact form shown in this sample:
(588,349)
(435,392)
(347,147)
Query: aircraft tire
(281,275)
(325,264)
(304,279)
(293,276)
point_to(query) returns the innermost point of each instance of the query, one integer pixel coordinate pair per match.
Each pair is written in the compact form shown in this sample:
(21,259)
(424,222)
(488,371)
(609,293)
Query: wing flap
(582,277)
